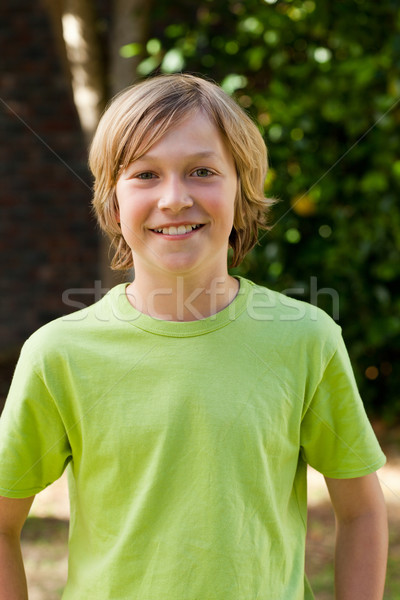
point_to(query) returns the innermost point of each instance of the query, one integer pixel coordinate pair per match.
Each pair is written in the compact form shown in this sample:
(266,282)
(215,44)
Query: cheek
(125,205)
(133,213)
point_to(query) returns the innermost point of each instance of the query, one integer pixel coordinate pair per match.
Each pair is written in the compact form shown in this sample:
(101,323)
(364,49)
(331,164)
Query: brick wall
(48,240)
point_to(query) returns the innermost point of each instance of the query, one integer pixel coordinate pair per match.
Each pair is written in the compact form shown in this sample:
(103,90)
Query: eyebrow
(196,155)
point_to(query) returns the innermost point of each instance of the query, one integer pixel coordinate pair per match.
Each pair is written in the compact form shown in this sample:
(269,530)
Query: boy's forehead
(159,128)
(146,146)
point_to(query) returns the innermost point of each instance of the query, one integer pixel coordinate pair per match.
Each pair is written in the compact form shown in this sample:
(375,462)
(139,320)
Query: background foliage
(322,81)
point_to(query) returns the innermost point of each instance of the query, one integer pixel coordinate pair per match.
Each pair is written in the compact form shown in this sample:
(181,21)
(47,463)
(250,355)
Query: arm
(361,537)
(13,513)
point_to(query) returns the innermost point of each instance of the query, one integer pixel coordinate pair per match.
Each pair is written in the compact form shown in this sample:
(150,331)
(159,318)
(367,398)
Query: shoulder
(275,306)
(74,330)
(288,319)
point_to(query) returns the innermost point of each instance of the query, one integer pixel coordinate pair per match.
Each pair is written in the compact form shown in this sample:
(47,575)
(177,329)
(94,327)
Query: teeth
(177,230)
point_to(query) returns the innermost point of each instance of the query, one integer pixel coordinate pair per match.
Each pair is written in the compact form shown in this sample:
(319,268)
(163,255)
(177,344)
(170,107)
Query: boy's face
(176,203)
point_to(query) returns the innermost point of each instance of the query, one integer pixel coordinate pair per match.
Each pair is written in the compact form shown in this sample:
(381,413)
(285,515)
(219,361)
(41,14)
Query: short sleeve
(336,436)
(34,448)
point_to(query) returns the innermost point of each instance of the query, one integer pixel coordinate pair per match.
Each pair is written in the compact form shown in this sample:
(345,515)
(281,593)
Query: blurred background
(322,81)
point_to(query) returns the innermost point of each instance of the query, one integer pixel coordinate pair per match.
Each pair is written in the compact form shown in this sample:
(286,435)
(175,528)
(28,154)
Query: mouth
(180,230)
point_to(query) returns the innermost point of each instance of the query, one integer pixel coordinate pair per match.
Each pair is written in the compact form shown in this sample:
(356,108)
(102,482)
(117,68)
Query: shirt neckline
(124,311)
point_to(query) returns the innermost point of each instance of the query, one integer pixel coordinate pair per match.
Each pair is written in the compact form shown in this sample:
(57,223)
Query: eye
(203,172)
(145,175)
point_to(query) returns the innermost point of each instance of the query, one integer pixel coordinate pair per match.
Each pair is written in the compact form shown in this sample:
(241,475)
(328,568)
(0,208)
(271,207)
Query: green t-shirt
(187,443)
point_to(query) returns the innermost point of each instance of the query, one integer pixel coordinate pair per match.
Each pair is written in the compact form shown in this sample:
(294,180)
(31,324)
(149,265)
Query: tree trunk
(85,61)
(130,25)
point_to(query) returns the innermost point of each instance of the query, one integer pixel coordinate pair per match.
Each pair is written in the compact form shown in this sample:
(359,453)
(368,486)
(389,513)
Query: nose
(174,195)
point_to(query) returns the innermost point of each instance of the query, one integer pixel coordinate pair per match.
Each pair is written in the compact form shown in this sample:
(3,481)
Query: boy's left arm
(361,537)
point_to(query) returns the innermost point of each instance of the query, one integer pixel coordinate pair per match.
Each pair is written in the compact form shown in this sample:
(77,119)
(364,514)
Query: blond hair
(140,115)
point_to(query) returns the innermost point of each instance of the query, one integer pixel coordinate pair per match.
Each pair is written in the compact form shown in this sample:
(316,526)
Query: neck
(181,298)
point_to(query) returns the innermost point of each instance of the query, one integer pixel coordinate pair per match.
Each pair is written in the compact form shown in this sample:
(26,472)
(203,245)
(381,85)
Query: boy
(188,403)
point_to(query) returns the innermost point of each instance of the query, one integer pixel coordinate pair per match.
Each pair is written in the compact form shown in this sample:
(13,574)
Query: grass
(44,547)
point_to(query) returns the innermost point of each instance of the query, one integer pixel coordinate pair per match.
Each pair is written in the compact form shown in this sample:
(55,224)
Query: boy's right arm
(13,513)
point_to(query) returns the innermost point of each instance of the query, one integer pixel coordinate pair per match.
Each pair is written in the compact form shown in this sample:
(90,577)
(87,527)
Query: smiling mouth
(180,230)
